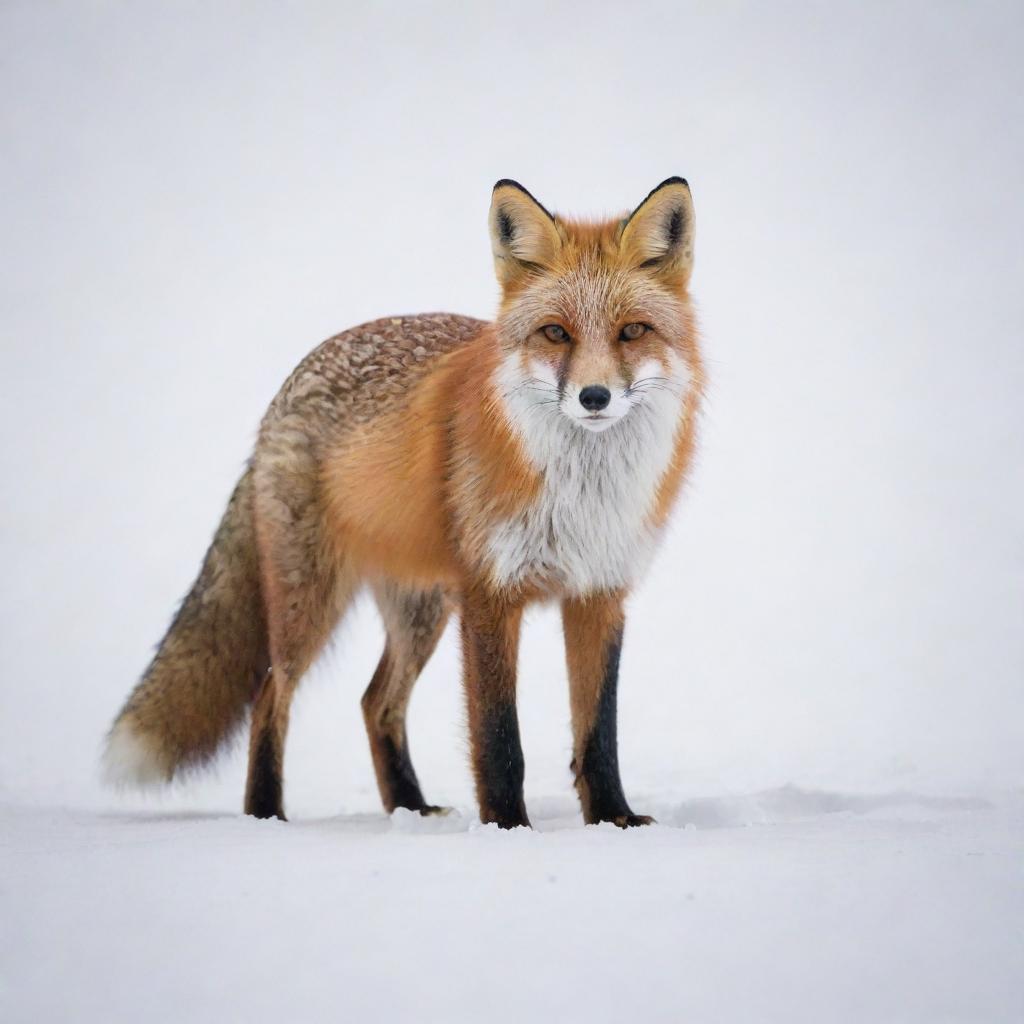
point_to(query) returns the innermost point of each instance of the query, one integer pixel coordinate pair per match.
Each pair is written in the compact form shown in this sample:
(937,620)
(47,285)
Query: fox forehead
(591,292)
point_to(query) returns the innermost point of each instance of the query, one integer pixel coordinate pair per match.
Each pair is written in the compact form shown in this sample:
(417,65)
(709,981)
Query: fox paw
(633,820)
(432,809)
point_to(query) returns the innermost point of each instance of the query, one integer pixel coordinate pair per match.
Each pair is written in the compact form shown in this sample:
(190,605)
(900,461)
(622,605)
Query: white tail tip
(130,759)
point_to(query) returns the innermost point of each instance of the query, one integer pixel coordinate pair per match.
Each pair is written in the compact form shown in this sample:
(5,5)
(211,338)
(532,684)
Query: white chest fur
(591,526)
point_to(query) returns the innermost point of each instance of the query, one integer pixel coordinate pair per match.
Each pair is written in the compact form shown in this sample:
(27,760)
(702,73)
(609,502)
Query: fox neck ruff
(592,527)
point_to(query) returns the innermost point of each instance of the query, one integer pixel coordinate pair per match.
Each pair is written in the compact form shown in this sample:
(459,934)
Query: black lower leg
(597,769)
(501,768)
(399,783)
(263,798)
(490,644)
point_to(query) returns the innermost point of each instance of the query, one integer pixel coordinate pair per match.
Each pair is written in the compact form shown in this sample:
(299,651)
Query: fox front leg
(490,646)
(593,642)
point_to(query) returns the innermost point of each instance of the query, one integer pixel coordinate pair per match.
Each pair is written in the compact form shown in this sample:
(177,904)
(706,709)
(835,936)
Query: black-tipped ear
(659,233)
(523,233)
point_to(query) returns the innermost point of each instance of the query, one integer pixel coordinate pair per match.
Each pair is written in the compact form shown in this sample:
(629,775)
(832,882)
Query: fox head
(595,318)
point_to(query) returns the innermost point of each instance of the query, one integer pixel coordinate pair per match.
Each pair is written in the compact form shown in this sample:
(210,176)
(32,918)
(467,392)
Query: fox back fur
(450,464)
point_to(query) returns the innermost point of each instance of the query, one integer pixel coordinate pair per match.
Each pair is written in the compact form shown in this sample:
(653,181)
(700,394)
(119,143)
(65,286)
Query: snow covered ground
(782,906)
(822,673)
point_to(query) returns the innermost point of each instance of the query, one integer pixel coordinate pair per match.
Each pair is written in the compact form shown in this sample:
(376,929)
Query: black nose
(594,398)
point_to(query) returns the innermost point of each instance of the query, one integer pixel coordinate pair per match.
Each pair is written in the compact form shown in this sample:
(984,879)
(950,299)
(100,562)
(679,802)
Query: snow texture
(782,906)
(821,675)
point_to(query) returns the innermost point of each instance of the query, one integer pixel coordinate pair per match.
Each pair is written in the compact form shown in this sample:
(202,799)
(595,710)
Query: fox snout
(595,397)
(595,406)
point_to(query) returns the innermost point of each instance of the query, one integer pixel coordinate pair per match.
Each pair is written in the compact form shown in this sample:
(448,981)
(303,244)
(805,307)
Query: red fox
(450,464)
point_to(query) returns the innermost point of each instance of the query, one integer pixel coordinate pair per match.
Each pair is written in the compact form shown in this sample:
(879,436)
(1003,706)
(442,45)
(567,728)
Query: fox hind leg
(414,621)
(306,586)
(263,789)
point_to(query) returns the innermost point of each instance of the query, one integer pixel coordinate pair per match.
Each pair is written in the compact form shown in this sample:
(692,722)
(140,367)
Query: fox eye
(556,333)
(633,331)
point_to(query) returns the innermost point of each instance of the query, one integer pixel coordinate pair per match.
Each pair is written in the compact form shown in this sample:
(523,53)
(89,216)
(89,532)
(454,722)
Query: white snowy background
(821,692)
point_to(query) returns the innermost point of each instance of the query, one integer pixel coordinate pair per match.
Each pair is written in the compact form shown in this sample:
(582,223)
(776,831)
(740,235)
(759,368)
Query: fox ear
(659,232)
(523,233)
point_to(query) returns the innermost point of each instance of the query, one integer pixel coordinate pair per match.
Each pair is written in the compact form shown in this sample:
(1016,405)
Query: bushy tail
(208,667)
